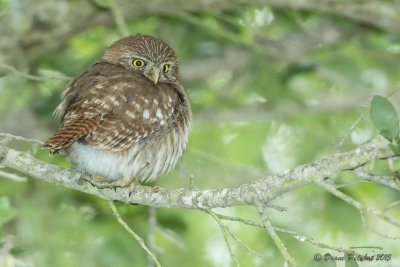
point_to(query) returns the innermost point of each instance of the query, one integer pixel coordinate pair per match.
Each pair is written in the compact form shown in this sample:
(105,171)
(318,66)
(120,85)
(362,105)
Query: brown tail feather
(70,132)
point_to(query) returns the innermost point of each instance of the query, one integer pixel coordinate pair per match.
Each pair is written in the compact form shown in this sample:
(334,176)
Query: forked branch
(258,193)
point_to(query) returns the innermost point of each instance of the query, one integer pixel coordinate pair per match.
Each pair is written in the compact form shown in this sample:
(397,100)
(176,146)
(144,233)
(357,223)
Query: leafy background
(271,87)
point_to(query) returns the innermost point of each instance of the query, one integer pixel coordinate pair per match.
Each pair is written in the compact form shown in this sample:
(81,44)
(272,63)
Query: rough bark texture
(258,193)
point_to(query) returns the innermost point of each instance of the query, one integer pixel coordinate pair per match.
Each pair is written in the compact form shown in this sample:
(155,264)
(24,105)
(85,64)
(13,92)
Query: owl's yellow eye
(166,68)
(138,63)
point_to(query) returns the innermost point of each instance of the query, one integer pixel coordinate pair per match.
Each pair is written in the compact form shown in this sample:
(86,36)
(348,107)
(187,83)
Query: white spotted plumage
(127,125)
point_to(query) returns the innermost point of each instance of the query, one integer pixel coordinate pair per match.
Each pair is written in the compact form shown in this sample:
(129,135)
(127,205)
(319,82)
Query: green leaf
(20,251)
(349,262)
(395,148)
(396,164)
(298,68)
(384,116)
(103,4)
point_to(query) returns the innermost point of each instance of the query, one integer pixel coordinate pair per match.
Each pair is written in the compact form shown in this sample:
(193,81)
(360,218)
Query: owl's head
(143,53)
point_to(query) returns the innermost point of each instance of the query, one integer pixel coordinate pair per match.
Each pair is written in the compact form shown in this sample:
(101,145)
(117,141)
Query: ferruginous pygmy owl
(127,117)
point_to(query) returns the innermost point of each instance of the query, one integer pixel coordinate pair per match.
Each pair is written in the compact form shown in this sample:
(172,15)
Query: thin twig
(234,236)
(372,161)
(360,208)
(237,219)
(392,169)
(12,176)
(276,207)
(32,77)
(119,18)
(386,180)
(339,145)
(20,138)
(278,242)
(241,242)
(391,93)
(130,231)
(303,238)
(368,227)
(150,235)
(351,183)
(291,233)
(380,214)
(391,205)
(223,230)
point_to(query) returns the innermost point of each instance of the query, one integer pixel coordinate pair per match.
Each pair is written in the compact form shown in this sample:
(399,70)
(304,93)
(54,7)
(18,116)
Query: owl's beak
(155,74)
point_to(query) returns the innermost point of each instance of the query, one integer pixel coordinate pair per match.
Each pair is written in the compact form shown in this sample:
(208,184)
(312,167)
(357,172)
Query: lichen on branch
(258,192)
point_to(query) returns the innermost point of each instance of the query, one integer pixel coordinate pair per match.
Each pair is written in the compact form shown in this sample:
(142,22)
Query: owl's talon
(103,182)
(132,186)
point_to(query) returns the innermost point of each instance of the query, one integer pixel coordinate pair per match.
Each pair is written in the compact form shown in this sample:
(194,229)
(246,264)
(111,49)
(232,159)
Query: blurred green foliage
(270,89)
(385,118)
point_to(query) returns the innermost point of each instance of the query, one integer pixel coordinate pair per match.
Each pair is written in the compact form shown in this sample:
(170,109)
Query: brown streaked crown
(153,50)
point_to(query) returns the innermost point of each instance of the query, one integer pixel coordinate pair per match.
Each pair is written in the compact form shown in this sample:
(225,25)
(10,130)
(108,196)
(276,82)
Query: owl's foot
(98,179)
(131,185)
(128,182)
(104,182)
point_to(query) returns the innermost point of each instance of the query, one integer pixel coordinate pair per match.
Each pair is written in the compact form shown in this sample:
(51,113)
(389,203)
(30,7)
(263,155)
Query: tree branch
(259,192)
(278,242)
(361,208)
(224,230)
(132,233)
(299,237)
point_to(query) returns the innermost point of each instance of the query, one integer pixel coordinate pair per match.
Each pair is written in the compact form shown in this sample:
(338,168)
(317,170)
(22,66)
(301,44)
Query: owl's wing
(115,133)
(70,132)
(109,133)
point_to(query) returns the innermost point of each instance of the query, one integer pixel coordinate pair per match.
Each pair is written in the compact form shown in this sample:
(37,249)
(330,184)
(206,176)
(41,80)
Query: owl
(127,118)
